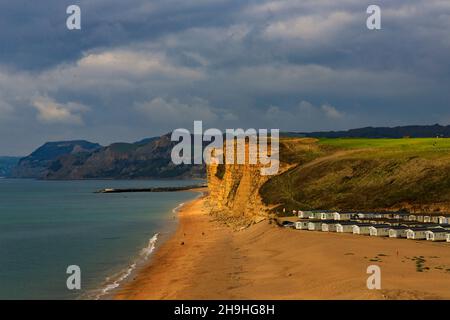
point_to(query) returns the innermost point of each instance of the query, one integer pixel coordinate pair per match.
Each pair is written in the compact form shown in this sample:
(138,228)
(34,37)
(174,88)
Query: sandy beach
(207,260)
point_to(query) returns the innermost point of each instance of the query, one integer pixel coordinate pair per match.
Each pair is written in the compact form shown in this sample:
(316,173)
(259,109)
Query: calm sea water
(45,226)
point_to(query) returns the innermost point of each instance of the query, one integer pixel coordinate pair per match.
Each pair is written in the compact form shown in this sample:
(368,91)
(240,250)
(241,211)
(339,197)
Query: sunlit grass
(405,146)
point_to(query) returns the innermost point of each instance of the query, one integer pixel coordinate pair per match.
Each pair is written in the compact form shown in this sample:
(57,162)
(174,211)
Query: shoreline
(115,282)
(159,259)
(205,259)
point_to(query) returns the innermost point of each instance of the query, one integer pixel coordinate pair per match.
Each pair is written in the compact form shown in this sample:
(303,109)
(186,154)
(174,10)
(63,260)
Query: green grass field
(405,144)
(363,174)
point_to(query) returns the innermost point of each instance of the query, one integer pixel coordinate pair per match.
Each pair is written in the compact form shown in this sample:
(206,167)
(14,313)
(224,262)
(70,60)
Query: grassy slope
(363,174)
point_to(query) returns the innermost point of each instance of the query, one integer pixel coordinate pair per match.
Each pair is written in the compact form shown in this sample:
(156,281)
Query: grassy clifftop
(362,174)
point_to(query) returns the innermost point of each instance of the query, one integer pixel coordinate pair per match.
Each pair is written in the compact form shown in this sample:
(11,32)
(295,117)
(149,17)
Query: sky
(141,68)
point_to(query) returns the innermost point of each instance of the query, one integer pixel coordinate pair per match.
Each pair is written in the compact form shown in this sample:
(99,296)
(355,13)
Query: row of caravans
(403,216)
(324,215)
(432,233)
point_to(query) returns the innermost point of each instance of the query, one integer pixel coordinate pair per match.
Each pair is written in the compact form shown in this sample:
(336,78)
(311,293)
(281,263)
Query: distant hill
(382,132)
(146,140)
(37,164)
(7,164)
(148,158)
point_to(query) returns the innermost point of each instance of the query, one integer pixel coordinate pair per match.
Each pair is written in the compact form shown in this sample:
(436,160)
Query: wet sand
(207,260)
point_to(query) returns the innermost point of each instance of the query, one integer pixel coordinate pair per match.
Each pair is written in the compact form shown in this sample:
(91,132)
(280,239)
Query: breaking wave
(116,280)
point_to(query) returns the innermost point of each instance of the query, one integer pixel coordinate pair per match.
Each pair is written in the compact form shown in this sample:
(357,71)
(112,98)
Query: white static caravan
(315,225)
(365,215)
(401,216)
(426,219)
(341,216)
(380,230)
(412,217)
(435,219)
(344,227)
(315,215)
(398,232)
(327,215)
(416,233)
(448,237)
(387,215)
(438,234)
(303,214)
(444,219)
(362,228)
(329,226)
(301,225)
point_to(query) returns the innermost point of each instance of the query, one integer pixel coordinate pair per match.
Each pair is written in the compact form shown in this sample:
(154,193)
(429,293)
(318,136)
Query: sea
(48,226)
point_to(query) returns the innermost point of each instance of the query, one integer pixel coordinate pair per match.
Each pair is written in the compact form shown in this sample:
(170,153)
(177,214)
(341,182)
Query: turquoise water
(45,226)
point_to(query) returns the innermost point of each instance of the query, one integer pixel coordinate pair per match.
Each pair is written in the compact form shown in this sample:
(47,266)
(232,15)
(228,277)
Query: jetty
(152,189)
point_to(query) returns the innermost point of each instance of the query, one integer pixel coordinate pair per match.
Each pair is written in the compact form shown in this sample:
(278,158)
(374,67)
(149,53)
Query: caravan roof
(346,222)
(439,230)
(325,221)
(399,227)
(381,225)
(419,229)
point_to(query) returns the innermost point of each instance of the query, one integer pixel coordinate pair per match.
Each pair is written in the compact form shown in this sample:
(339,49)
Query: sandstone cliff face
(235,196)
(234,193)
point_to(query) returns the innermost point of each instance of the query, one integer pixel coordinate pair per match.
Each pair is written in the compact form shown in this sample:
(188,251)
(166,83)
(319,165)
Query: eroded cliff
(340,174)
(234,192)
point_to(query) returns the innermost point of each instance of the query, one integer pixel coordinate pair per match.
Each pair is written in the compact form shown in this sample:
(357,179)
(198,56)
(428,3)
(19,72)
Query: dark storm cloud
(35,34)
(139,68)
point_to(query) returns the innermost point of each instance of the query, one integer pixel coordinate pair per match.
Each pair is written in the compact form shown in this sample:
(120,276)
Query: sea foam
(116,280)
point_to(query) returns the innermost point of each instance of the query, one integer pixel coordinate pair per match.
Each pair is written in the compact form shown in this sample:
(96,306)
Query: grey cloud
(142,68)
(50,111)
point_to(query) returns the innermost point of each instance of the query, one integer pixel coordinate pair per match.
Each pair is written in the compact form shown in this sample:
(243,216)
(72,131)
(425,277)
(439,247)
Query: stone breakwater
(154,189)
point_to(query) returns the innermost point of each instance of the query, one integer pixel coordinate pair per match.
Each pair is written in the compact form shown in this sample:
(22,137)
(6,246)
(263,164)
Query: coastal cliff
(412,175)
(72,160)
(234,193)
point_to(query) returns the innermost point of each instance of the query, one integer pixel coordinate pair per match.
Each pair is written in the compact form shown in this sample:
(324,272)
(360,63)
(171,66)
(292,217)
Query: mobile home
(401,216)
(315,225)
(438,234)
(344,227)
(327,215)
(365,215)
(380,230)
(302,214)
(444,219)
(329,226)
(362,228)
(302,225)
(398,232)
(416,233)
(315,215)
(342,216)
(434,219)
